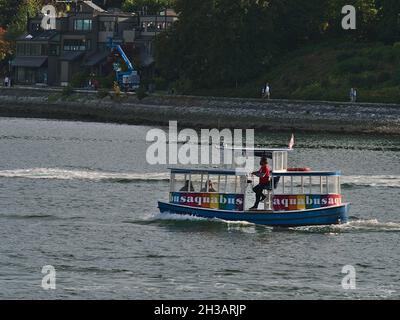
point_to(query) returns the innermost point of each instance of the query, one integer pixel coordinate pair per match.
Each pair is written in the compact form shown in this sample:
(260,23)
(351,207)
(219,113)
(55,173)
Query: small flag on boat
(291,142)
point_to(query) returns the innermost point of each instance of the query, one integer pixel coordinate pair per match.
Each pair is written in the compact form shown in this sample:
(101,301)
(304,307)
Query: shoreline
(202,112)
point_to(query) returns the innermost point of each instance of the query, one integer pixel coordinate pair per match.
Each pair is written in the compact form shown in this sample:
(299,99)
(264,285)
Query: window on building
(44,50)
(54,50)
(76,45)
(32,49)
(150,27)
(82,25)
(34,27)
(21,51)
(109,26)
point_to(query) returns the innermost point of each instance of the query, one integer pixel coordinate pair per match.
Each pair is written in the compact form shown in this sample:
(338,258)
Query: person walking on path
(352,95)
(355,95)
(267,91)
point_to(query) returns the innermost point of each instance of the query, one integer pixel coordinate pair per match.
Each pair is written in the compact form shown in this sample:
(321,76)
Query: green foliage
(226,46)
(25,9)
(103,93)
(8,9)
(356,65)
(67,91)
(220,42)
(312,74)
(106,82)
(141,93)
(160,83)
(79,80)
(152,6)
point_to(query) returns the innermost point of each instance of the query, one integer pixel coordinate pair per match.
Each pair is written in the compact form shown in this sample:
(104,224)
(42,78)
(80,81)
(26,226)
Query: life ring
(306,169)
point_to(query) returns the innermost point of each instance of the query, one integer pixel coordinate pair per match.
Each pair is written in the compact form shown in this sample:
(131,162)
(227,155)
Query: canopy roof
(307,173)
(29,62)
(213,171)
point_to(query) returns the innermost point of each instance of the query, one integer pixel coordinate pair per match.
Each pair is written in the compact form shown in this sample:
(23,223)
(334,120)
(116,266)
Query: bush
(369,80)
(345,55)
(356,65)
(313,91)
(388,95)
(67,91)
(106,82)
(102,93)
(161,83)
(79,80)
(141,93)
(383,76)
(183,86)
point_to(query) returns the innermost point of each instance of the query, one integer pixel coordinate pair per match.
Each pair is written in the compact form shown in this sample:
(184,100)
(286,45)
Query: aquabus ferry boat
(294,197)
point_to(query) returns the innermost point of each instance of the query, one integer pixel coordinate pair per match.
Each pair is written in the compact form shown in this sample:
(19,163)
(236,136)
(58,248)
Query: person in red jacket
(264,174)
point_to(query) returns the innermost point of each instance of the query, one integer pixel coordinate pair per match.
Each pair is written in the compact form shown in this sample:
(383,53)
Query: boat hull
(321,216)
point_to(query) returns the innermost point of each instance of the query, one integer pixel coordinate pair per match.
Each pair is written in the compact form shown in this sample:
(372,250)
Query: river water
(82,198)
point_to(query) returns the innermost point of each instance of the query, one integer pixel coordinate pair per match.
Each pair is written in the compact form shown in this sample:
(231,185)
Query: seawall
(202,112)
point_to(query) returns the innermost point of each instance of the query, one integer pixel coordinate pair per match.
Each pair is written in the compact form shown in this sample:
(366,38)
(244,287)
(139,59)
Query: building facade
(80,40)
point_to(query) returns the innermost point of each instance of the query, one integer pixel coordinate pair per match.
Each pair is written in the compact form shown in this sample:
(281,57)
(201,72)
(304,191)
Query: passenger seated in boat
(210,187)
(186,187)
(264,173)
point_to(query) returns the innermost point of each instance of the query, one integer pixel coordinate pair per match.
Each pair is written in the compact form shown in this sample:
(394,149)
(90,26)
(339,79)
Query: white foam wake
(65,174)
(372,225)
(392,181)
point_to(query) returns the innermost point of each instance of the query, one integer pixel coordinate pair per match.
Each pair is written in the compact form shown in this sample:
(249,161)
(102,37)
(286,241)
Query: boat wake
(90,175)
(355,225)
(372,225)
(388,181)
(170,218)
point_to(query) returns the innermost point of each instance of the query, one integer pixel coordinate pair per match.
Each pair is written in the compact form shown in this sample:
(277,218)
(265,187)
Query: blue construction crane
(129,79)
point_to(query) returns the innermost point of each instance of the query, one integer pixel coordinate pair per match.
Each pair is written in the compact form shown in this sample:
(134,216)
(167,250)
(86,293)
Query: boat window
(286,185)
(297,185)
(309,185)
(181,183)
(231,184)
(333,185)
(195,182)
(279,159)
(206,182)
(314,185)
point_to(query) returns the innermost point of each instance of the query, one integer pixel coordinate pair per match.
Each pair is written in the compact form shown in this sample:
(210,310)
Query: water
(81,197)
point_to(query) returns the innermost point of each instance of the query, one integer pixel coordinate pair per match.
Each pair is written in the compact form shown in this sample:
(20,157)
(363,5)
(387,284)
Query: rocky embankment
(202,112)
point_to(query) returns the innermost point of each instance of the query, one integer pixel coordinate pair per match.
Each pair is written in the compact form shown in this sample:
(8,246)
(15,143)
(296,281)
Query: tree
(5,46)
(149,6)
(26,9)
(8,9)
(367,18)
(216,42)
(389,24)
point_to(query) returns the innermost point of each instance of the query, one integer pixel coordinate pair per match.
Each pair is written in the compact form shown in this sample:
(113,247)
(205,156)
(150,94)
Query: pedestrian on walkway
(352,95)
(267,91)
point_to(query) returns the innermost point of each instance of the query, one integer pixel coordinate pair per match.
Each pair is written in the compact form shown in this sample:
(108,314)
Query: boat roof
(241,172)
(215,171)
(307,173)
(261,149)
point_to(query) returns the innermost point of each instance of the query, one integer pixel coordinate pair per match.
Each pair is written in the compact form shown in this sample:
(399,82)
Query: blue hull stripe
(321,216)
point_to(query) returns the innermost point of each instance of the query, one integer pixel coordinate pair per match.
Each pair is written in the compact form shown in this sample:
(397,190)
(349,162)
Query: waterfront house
(79,43)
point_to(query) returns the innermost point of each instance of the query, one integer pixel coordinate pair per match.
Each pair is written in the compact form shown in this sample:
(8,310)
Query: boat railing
(306,190)
(216,189)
